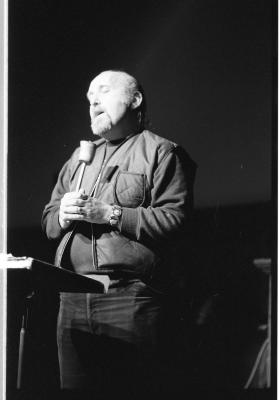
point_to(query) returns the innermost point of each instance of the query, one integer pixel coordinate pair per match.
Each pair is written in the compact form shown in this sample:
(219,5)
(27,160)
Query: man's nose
(94,101)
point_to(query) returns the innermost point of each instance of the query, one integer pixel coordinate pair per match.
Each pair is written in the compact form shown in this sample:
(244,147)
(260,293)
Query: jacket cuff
(55,231)
(129,221)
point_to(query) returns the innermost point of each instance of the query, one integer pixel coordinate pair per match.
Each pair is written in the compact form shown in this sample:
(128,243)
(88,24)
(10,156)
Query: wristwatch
(115,215)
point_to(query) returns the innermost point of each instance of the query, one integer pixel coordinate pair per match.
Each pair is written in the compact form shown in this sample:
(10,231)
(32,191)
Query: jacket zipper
(93,195)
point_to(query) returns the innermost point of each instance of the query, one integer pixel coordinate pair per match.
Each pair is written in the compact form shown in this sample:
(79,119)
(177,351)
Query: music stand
(38,274)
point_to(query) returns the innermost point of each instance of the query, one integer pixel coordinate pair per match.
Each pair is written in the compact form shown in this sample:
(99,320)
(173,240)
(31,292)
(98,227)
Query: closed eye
(104,89)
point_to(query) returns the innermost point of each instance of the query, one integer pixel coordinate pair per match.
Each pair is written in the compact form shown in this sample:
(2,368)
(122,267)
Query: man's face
(109,102)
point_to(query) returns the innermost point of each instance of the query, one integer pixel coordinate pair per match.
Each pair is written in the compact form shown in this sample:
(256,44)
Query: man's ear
(136,100)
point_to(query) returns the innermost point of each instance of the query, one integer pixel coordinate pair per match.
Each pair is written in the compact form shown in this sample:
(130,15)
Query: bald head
(127,81)
(115,102)
(122,79)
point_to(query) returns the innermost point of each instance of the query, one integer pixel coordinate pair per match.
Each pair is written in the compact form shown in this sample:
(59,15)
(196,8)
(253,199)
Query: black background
(207,68)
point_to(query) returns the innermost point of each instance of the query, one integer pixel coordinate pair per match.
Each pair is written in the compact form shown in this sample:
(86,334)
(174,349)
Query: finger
(76,202)
(74,195)
(80,202)
(74,217)
(72,210)
(82,194)
(73,202)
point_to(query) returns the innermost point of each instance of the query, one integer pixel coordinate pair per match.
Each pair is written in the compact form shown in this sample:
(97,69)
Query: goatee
(100,126)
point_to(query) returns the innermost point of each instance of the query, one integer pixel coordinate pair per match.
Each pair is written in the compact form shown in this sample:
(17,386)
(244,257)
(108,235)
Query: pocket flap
(129,189)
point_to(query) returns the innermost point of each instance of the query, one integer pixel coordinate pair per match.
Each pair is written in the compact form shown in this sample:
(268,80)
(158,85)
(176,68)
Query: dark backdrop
(207,68)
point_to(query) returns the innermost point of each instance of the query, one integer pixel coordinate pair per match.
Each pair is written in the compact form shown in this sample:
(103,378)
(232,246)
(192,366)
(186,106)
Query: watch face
(116,214)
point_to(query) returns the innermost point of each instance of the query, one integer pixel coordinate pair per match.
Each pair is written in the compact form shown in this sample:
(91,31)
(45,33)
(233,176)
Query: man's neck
(119,135)
(116,142)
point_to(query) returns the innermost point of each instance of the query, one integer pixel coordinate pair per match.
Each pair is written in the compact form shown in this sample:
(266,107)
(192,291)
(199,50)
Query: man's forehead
(111,78)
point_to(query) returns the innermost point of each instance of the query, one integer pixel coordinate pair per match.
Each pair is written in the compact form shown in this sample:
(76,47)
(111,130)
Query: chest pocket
(129,189)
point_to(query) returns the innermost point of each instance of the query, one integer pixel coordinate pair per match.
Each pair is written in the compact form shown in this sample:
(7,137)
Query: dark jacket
(152,179)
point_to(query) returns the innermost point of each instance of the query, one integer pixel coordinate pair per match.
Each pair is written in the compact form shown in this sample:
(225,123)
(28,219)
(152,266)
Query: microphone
(86,154)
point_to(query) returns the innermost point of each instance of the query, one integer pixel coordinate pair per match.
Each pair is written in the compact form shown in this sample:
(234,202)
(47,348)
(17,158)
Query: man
(133,205)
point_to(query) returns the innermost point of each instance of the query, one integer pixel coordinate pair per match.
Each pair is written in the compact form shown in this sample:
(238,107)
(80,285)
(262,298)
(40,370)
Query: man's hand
(77,206)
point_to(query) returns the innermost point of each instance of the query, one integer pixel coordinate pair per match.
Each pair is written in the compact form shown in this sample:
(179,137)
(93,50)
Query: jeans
(109,342)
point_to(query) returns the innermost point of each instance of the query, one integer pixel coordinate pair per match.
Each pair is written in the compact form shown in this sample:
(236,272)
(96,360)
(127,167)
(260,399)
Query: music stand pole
(22,337)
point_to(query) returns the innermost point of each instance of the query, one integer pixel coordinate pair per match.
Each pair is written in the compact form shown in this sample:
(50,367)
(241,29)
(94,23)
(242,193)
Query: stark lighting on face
(108,102)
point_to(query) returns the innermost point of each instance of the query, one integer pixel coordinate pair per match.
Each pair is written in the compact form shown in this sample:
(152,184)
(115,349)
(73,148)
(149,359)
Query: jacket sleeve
(170,205)
(50,223)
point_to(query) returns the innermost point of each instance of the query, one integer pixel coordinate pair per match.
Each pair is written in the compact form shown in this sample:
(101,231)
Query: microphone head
(87,150)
